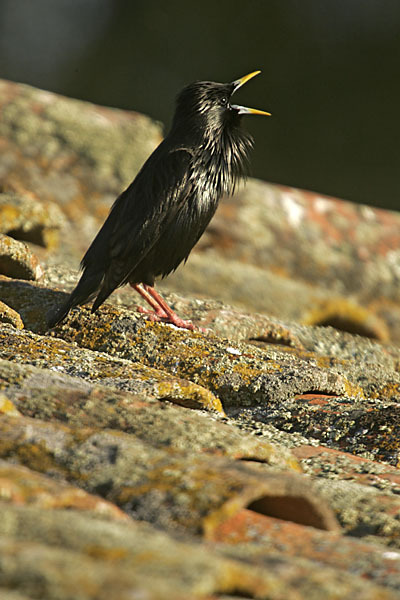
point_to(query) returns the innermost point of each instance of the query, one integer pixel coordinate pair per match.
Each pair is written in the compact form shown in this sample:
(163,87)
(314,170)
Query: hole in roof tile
(297,509)
(271,339)
(349,316)
(351,326)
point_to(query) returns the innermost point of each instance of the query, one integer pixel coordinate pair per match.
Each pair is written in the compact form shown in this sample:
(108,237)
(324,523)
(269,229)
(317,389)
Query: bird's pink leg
(171,315)
(157,313)
(162,312)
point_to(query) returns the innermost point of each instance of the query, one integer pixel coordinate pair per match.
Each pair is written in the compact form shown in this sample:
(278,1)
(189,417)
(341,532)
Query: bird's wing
(145,208)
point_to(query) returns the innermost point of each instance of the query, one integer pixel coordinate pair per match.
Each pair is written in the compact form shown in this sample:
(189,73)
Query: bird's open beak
(243,110)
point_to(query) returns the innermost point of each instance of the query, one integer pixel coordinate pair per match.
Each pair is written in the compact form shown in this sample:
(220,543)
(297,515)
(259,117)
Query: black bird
(154,224)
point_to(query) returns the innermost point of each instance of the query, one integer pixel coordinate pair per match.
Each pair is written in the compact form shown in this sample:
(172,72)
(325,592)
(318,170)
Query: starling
(154,224)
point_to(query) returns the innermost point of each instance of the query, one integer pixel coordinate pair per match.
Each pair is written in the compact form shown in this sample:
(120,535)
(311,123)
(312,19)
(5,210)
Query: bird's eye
(224,101)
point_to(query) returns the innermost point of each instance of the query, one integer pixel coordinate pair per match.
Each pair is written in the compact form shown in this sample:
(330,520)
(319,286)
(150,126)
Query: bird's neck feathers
(221,153)
(225,155)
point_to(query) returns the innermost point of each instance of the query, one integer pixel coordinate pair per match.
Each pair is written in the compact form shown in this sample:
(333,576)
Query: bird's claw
(158,317)
(159,314)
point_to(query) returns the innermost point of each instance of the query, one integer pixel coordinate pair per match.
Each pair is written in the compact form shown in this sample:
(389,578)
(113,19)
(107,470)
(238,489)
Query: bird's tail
(86,290)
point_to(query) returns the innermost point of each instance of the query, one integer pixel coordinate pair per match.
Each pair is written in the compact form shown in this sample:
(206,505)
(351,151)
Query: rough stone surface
(59,153)
(45,394)
(20,486)
(10,316)
(122,374)
(103,561)
(351,248)
(147,482)
(16,260)
(269,292)
(26,218)
(257,460)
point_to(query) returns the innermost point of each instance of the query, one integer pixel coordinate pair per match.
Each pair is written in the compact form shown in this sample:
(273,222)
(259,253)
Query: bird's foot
(162,313)
(170,319)
(157,314)
(182,323)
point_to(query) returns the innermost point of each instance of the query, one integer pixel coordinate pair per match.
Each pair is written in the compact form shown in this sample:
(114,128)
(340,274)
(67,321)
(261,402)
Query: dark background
(330,74)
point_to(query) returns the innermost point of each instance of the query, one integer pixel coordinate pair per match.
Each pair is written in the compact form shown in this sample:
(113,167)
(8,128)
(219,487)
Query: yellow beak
(243,110)
(239,82)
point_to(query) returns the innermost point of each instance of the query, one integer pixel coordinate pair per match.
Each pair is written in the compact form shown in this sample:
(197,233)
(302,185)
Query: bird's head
(205,106)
